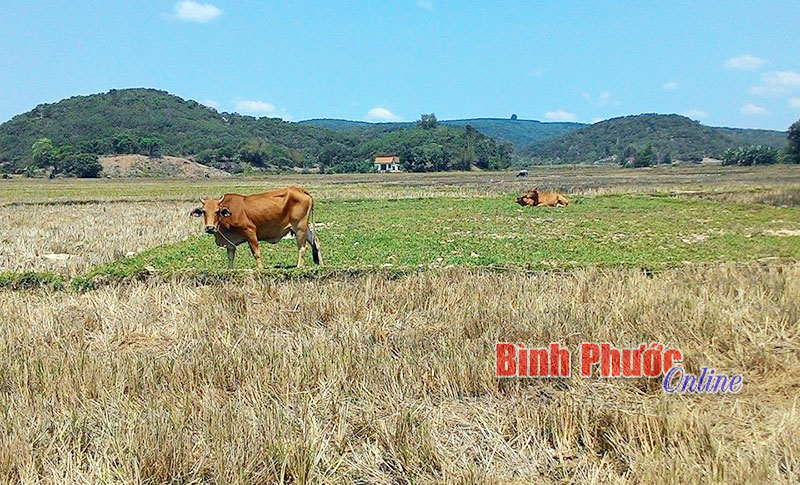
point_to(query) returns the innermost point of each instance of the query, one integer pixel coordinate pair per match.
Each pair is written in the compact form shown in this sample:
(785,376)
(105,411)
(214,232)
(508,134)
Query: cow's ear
(224,212)
(197,212)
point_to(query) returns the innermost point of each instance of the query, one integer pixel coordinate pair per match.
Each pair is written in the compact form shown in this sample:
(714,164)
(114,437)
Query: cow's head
(212,212)
(529,199)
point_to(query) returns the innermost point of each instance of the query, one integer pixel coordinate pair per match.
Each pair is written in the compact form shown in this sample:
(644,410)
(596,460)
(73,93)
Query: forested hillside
(673,136)
(118,121)
(152,122)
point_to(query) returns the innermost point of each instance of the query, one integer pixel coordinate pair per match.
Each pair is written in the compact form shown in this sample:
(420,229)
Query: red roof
(387,159)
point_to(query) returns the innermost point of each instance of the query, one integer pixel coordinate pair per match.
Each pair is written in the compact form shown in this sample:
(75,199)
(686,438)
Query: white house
(389,163)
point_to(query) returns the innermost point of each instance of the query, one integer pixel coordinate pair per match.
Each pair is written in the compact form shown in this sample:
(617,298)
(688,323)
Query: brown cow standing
(537,198)
(234,219)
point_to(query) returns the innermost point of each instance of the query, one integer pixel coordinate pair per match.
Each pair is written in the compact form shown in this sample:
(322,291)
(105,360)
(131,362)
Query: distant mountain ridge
(522,134)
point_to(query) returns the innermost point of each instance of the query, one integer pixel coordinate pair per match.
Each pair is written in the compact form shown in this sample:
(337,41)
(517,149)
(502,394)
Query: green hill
(149,121)
(184,127)
(678,136)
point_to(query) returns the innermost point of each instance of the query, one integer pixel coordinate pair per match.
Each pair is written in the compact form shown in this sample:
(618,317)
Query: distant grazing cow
(234,219)
(522,173)
(538,198)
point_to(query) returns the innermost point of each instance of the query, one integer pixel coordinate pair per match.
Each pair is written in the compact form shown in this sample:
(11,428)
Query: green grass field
(626,231)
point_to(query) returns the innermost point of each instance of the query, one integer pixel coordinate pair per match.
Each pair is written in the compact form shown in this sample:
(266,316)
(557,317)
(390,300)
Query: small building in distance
(388,163)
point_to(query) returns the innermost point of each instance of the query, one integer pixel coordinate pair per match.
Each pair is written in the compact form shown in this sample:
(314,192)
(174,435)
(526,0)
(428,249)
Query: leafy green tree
(84,165)
(44,153)
(645,158)
(793,150)
(123,143)
(427,121)
(151,146)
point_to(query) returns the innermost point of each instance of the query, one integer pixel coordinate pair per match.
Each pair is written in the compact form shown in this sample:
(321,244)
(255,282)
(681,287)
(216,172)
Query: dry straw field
(380,377)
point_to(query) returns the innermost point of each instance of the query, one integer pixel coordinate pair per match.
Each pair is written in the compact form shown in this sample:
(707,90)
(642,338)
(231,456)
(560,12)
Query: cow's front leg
(231,256)
(252,239)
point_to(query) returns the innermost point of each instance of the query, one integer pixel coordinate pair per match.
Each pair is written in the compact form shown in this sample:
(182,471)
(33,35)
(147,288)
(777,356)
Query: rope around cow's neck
(219,231)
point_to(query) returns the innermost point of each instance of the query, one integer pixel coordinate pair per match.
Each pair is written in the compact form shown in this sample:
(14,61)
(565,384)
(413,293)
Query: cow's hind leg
(311,238)
(301,235)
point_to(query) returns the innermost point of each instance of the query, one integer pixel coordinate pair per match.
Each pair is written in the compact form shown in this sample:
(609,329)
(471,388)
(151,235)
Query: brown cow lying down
(538,198)
(234,219)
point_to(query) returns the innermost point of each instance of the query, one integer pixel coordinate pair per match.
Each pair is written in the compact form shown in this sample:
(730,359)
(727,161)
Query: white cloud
(696,114)
(426,4)
(751,109)
(196,12)
(670,85)
(745,62)
(253,107)
(211,103)
(560,115)
(382,114)
(777,82)
(794,102)
(604,98)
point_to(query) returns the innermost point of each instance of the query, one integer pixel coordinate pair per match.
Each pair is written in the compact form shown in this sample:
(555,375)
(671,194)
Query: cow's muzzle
(211,229)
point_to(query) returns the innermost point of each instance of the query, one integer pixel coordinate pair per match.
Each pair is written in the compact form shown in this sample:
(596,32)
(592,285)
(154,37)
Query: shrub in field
(752,155)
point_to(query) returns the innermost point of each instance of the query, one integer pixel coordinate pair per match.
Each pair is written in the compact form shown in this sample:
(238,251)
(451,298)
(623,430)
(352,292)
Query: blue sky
(730,63)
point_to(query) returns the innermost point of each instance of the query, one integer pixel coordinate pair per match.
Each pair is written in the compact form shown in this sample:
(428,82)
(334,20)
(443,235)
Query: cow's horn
(202,200)
(223,196)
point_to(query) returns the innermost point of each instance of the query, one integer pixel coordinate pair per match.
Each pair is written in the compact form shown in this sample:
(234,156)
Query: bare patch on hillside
(143,166)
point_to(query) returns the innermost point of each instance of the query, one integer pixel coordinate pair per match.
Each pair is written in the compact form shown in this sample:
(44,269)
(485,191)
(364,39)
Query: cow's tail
(311,236)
